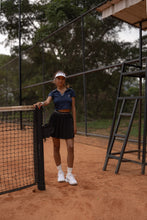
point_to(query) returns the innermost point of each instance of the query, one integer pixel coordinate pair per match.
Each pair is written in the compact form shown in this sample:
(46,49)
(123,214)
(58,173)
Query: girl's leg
(70,152)
(57,158)
(56,146)
(70,160)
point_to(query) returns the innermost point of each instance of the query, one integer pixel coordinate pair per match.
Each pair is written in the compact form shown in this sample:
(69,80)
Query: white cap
(60,74)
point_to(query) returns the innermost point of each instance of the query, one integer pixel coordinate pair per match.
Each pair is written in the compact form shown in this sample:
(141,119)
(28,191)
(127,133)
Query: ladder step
(113,157)
(130,97)
(125,114)
(134,73)
(130,64)
(120,135)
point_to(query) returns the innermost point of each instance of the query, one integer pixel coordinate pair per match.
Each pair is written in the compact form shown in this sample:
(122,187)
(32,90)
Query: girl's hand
(38,104)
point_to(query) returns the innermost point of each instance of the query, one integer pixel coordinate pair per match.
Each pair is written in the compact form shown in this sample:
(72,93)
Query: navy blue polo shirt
(62,101)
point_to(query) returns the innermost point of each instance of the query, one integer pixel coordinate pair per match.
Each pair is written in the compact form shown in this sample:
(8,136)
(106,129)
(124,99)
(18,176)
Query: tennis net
(20,147)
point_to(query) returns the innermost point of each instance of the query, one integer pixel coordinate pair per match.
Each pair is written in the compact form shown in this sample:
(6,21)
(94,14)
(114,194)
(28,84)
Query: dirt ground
(99,195)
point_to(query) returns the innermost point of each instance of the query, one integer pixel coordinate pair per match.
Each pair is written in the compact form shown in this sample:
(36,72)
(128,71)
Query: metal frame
(116,121)
(39,146)
(38,156)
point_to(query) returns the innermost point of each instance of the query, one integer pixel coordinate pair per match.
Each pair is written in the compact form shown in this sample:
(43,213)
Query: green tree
(63,49)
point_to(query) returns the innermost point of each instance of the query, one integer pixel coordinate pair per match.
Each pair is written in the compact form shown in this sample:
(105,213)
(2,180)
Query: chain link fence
(78,49)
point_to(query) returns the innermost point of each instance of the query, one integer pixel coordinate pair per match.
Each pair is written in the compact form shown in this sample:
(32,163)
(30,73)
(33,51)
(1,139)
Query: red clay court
(99,195)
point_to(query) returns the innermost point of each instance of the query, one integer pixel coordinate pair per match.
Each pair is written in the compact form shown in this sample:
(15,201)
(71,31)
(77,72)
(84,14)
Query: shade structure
(133,12)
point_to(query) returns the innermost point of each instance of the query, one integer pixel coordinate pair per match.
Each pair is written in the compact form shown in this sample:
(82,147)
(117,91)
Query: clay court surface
(99,195)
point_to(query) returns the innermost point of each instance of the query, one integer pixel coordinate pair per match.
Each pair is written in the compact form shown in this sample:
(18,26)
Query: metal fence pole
(40,153)
(43,78)
(20,98)
(84,76)
(145,126)
(140,92)
(20,89)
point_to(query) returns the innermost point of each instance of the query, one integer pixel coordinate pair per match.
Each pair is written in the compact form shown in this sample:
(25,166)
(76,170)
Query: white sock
(59,167)
(69,170)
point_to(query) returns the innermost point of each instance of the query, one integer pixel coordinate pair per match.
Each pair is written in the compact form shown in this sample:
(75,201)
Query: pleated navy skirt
(60,126)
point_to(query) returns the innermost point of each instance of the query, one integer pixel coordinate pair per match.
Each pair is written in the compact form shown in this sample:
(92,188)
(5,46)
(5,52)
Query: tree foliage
(63,49)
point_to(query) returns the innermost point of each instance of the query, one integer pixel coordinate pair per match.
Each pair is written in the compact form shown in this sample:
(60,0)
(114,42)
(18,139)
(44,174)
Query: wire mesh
(17,152)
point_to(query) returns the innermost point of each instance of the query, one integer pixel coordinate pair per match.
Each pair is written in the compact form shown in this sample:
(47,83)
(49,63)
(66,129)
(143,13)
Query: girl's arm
(46,102)
(74,114)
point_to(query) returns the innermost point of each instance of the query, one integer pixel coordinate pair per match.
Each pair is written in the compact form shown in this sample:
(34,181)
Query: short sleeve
(73,93)
(51,94)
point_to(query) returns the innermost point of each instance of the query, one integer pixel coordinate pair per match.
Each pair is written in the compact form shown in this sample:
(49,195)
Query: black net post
(40,152)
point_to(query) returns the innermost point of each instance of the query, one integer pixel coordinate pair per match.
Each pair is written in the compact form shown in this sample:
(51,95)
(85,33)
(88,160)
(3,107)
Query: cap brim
(60,74)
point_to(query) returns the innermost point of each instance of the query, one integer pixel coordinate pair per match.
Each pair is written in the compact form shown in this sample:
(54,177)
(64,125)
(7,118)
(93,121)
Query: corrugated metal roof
(130,11)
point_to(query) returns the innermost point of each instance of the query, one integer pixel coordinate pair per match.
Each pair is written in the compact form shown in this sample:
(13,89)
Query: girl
(62,124)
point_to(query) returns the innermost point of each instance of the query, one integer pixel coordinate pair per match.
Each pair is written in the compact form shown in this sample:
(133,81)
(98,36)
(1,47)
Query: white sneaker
(61,176)
(71,179)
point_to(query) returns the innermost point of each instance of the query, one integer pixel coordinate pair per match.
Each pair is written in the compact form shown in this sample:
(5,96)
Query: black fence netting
(86,45)
(18,148)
